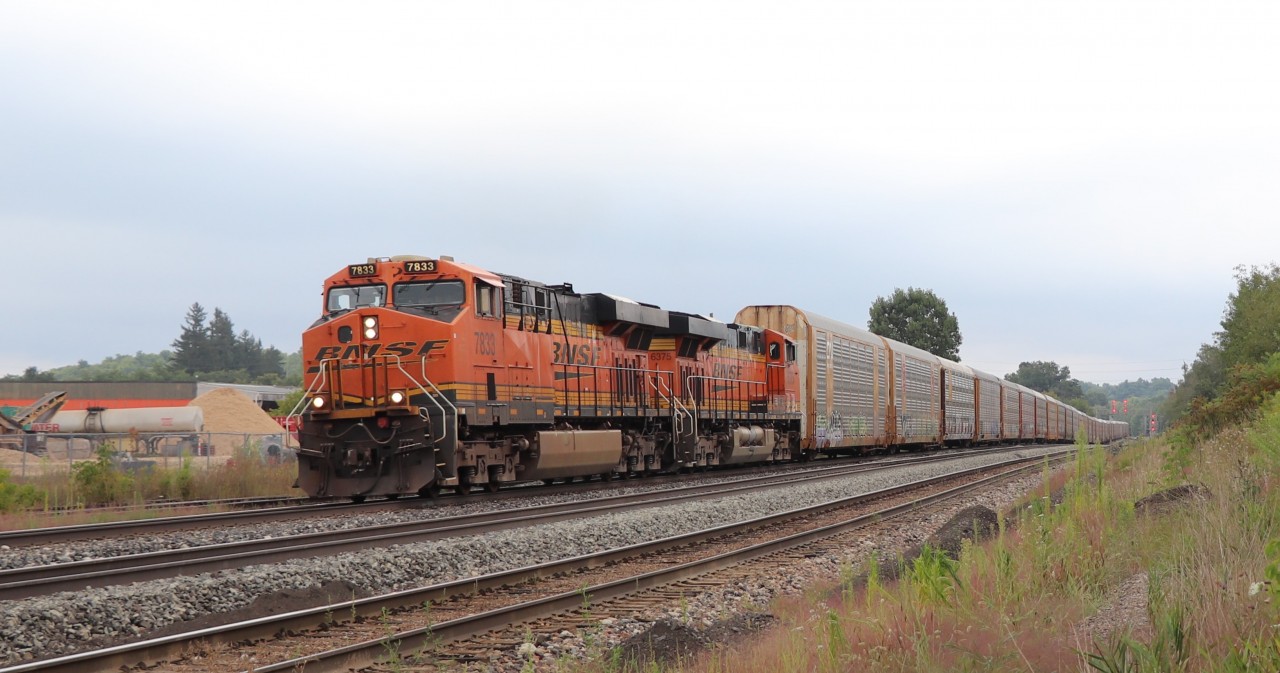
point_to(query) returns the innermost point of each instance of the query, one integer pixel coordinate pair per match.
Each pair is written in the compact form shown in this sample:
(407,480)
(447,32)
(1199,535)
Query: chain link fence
(38,453)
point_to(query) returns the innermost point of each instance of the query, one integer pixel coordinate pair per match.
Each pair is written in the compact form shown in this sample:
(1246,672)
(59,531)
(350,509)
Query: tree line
(206,348)
(214,350)
(1241,365)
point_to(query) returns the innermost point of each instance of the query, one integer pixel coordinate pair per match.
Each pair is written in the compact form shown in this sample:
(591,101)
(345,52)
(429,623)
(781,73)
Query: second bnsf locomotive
(428,373)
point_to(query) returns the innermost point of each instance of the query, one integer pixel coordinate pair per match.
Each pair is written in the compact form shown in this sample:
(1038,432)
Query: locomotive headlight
(370,327)
(318,403)
(397,397)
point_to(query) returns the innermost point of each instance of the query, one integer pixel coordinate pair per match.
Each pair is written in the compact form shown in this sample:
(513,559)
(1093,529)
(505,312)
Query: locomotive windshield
(356,296)
(437,299)
(430,293)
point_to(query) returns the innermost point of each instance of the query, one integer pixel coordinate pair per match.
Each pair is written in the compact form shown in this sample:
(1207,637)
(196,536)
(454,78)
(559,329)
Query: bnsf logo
(400,348)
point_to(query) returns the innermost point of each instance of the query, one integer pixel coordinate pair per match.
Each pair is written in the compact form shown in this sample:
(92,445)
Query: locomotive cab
(381,408)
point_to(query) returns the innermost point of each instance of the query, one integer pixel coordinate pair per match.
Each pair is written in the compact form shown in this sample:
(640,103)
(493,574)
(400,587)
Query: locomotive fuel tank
(572,453)
(750,443)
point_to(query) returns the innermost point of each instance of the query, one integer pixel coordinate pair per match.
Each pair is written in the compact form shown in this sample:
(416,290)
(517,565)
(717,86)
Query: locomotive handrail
(688,381)
(656,373)
(316,386)
(431,397)
(688,386)
(675,404)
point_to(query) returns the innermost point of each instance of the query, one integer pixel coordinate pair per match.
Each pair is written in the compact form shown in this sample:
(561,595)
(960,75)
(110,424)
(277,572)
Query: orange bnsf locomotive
(428,373)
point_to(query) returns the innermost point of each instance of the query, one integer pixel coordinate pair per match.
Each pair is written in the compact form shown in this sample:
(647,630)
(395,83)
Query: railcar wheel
(357,499)
(393,496)
(492,486)
(462,489)
(548,482)
(431,490)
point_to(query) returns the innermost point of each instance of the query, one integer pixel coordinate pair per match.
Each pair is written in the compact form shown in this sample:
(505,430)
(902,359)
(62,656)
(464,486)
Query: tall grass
(68,496)
(1021,601)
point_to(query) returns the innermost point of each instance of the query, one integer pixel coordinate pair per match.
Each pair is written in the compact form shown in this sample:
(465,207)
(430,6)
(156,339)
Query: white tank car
(147,419)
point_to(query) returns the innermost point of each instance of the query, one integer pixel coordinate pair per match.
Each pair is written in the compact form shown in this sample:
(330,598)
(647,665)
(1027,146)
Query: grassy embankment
(60,497)
(1020,601)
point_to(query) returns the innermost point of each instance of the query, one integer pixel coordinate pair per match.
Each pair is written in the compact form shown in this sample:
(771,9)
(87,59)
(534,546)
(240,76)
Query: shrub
(100,481)
(14,497)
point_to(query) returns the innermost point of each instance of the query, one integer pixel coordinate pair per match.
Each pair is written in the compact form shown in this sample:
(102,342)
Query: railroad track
(161,504)
(40,580)
(293,508)
(475,601)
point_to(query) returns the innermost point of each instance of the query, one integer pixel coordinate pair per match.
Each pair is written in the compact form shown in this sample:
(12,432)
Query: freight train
(428,373)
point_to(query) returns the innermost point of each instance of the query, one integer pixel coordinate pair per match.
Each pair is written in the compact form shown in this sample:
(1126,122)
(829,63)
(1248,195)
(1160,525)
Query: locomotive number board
(362,270)
(420,266)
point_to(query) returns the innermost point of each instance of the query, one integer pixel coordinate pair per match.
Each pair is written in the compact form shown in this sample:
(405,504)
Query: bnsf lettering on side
(400,348)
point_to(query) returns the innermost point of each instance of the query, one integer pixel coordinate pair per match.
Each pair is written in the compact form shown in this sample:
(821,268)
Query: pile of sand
(10,457)
(227,410)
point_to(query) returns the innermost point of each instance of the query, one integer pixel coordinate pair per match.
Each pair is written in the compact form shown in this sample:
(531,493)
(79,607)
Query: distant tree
(247,361)
(1040,376)
(191,348)
(257,360)
(271,362)
(248,353)
(34,374)
(293,368)
(223,347)
(1067,390)
(919,318)
(1250,322)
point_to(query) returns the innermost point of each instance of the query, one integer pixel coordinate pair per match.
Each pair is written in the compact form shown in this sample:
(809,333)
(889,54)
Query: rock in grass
(975,523)
(1171,498)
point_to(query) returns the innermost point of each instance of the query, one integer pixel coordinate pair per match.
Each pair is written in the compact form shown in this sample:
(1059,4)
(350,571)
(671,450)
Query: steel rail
(90,531)
(170,647)
(167,524)
(75,532)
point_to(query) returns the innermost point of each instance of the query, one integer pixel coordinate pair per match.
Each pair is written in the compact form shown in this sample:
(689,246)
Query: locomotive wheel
(492,486)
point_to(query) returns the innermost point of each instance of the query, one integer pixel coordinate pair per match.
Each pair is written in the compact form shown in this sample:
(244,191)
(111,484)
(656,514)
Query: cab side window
(487,299)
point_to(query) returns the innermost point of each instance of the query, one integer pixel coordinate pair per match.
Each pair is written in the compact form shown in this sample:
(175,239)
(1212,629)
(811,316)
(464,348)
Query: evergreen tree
(248,354)
(223,346)
(191,348)
(271,361)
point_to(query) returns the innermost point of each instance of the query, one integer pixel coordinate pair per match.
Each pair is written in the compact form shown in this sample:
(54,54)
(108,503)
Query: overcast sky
(1077,180)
